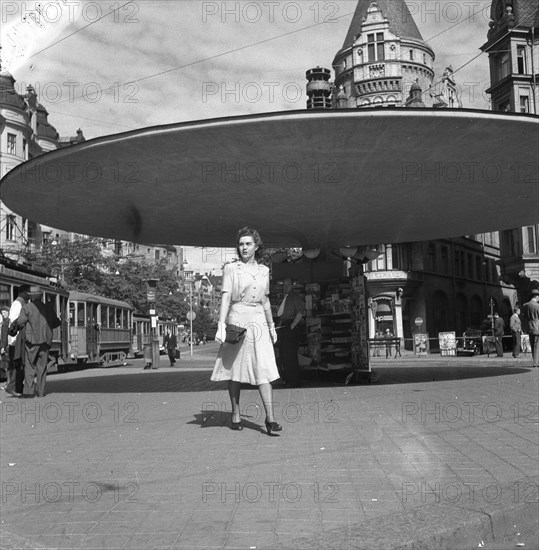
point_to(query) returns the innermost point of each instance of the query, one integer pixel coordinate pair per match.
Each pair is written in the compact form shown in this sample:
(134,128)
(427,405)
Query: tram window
(81,316)
(92,314)
(104,316)
(5,295)
(119,318)
(112,317)
(71,314)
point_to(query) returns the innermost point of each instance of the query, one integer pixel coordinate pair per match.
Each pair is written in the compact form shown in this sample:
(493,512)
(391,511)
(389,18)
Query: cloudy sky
(160,61)
(131,64)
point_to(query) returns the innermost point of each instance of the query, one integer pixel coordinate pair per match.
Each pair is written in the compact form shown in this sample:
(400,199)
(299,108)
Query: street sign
(418,321)
(191,315)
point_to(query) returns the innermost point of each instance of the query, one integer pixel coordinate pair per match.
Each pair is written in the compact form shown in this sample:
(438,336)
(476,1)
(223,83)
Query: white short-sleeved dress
(252,361)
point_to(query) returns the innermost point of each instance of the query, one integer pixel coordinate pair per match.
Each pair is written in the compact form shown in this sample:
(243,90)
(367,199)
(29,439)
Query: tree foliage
(84,266)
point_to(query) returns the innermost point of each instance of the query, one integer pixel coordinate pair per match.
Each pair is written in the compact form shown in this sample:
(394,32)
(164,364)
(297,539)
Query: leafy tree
(83,266)
(202,321)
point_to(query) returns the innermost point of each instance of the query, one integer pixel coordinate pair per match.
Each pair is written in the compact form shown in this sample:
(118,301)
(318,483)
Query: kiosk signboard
(448,343)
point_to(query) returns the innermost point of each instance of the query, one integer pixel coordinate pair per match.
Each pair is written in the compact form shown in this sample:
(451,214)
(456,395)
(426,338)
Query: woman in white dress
(245,303)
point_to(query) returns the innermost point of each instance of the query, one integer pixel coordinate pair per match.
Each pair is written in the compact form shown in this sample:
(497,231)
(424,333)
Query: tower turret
(318,88)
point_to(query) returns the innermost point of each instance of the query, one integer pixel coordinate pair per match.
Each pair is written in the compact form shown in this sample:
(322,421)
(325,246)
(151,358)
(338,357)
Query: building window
(445,259)
(504,67)
(157,255)
(504,106)
(459,263)
(532,239)
(24,147)
(478,268)
(513,242)
(375,46)
(411,55)
(471,274)
(524,104)
(431,257)
(12,144)
(521,59)
(11,224)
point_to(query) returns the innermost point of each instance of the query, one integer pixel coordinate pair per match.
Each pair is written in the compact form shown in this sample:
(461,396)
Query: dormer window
(375,46)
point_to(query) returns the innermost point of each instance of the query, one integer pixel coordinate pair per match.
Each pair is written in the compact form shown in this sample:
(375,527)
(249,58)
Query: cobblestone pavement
(438,453)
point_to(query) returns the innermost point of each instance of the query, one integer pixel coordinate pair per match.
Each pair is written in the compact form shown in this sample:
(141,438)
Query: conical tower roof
(401,22)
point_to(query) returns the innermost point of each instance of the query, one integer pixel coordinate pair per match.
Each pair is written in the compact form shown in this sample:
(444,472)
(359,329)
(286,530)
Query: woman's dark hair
(249,232)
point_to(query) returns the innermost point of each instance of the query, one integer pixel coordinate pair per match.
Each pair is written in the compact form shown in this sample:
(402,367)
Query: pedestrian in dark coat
(39,321)
(531,310)
(171,343)
(499,326)
(516,331)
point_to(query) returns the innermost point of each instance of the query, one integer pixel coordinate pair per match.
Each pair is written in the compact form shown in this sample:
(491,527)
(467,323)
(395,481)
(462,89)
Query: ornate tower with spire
(513,51)
(383,56)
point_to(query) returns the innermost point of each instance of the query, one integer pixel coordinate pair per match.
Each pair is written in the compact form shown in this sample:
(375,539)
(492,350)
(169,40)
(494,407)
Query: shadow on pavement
(193,381)
(221,418)
(414,375)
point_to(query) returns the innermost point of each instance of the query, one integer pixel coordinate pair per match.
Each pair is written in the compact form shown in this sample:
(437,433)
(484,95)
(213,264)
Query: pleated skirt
(252,361)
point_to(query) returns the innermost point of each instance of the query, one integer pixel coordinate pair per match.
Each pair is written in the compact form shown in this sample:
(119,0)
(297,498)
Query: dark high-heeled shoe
(273,427)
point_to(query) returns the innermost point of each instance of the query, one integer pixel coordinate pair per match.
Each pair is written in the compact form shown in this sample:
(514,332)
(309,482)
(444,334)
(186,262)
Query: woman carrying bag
(245,318)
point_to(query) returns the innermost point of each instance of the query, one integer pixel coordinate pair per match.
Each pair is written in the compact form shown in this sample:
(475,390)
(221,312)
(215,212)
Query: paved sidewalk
(439,453)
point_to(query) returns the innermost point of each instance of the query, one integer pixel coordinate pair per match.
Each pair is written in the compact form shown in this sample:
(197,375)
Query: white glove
(273,333)
(220,335)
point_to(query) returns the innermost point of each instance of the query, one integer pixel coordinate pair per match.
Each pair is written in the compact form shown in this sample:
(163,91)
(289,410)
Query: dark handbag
(234,334)
(13,329)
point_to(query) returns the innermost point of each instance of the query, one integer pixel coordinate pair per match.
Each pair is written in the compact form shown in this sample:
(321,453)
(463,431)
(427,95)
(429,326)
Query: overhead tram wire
(241,48)
(81,29)
(216,56)
(475,56)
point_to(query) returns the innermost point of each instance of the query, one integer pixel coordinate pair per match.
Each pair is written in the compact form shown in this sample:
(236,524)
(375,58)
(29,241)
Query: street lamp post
(151,295)
(191,315)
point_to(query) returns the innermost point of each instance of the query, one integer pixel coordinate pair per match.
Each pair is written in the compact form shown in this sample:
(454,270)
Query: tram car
(142,333)
(99,329)
(13,275)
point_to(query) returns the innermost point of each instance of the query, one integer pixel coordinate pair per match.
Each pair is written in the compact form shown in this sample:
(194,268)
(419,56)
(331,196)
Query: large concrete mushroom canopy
(306,178)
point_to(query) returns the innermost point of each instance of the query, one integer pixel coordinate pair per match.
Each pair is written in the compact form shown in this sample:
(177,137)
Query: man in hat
(39,320)
(290,313)
(531,311)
